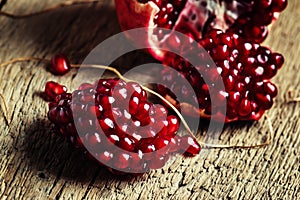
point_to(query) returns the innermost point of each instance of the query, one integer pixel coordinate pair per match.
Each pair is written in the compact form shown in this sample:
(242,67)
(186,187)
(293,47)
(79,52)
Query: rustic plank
(36,164)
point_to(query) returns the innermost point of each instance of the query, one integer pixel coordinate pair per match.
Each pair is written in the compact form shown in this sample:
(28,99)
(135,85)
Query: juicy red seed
(265,101)
(278,60)
(279,5)
(220,52)
(121,160)
(271,89)
(147,148)
(60,65)
(229,82)
(173,123)
(234,99)
(159,112)
(53,89)
(148,133)
(265,3)
(107,124)
(162,128)
(245,108)
(94,110)
(133,105)
(270,71)
(135,89)
(127,144)
(105,157)
(160,142)
(174,145)
(190,146)
(143,109)
(105,101)
(114,139)
(93,139)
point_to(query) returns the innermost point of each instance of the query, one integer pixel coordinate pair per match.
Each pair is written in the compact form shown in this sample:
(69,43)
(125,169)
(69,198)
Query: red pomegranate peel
(119,75)
(52,8)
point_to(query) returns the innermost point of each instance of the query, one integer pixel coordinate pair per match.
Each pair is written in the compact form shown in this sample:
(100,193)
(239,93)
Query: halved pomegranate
(247,18)
(230,31)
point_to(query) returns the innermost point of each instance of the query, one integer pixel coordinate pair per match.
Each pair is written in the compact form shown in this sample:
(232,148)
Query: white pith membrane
(212,13)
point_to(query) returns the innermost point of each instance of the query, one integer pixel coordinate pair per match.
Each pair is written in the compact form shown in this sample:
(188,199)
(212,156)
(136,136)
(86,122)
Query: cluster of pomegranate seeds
(60,65)
(253,25)
(114,122)
(244,68)
(249,18)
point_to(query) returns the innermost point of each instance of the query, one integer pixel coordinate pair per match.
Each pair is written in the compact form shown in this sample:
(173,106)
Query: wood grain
(36,164)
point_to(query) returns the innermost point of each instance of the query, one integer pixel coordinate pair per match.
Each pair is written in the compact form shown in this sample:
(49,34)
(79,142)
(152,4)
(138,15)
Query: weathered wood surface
(36,164)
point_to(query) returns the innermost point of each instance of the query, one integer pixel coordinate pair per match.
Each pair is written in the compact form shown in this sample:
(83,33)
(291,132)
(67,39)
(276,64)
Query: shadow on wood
(50,155)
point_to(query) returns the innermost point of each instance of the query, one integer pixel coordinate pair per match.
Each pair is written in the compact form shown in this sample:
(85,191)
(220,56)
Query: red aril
(60,65)
(53,89)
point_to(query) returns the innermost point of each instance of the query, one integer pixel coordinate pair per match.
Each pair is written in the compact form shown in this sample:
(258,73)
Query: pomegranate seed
(190,146)
(60,65)
(279,5)
(127,144)
(121,160)
(105,157)
(245,108)
(53,89)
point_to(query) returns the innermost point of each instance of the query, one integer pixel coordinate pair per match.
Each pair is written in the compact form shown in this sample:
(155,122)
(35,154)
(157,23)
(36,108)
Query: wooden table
(36,164)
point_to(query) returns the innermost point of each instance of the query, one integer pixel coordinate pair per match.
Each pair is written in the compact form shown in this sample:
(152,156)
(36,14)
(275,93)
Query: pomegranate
(231,32)
(247,18)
